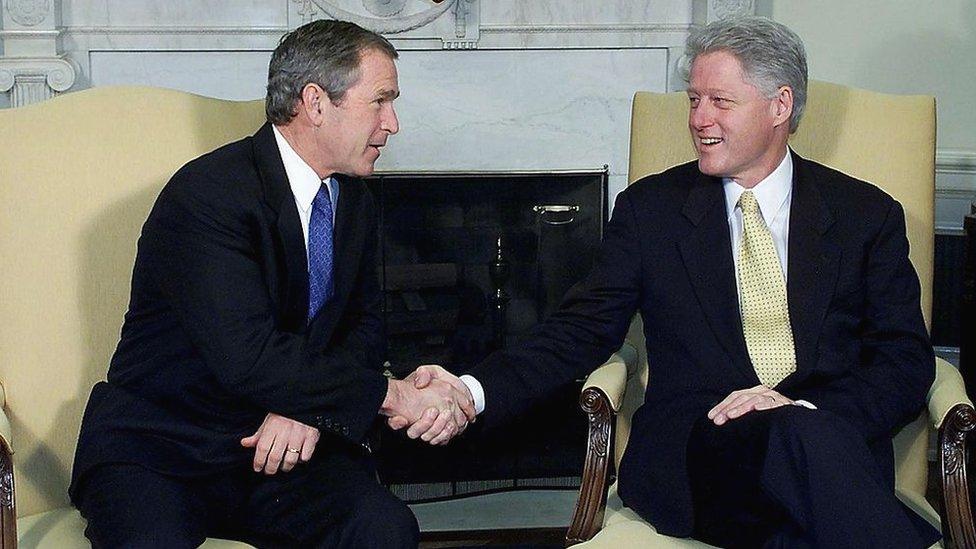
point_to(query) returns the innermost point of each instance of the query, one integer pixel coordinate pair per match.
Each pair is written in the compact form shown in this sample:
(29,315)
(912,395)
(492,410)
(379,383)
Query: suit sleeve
(205,249)
(588,326)
(886,389)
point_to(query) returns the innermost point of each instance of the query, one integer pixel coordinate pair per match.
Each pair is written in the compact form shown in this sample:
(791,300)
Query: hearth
(470,262)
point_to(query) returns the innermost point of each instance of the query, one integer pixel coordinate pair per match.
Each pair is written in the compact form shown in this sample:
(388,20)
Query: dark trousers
(793,477)
(332,501)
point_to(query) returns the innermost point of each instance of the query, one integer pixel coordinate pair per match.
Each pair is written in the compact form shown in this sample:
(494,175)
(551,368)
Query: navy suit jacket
(216,333)
(861,345)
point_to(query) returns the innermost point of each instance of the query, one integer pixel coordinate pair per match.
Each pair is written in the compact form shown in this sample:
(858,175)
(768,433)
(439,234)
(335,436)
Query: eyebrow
(389,94)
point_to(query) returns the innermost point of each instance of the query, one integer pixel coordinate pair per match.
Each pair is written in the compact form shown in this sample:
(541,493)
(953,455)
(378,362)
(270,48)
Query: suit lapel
(812,266)
(707,255)
(281,201)
(347,247)
(348,234)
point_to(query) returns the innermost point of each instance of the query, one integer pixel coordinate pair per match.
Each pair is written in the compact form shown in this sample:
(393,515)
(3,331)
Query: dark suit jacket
(215,336)
(861,345)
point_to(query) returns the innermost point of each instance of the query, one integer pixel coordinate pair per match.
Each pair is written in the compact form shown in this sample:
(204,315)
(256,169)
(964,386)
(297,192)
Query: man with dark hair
(249,367)
(781,316)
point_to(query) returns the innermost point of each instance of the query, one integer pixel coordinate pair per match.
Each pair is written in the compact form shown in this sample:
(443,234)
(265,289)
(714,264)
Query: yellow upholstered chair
(79,174)
(885,139)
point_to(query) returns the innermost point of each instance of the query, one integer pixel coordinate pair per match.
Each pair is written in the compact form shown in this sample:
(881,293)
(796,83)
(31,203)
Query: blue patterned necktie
(320,252)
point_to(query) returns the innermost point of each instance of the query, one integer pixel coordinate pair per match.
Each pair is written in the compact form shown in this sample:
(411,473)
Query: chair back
(888,140)
(80,173)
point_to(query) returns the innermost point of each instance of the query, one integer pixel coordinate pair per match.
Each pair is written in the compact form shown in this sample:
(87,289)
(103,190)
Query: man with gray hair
(781,316)
(250,363)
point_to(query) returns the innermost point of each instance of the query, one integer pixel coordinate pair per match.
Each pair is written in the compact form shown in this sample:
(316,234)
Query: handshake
(431,403)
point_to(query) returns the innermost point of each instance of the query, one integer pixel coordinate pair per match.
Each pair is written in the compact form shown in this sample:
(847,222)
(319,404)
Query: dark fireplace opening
(470,263)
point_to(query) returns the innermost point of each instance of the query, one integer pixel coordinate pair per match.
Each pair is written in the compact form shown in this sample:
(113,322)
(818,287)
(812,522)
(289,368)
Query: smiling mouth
(710,140)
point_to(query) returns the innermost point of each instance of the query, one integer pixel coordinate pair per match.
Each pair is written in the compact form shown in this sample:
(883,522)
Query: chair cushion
(622,527)
(65,529)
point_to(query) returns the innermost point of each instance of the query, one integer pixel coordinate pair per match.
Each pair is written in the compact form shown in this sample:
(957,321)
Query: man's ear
(783,103)
(313,103)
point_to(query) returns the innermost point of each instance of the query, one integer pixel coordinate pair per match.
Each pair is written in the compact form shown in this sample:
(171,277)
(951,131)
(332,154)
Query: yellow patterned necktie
(765,313)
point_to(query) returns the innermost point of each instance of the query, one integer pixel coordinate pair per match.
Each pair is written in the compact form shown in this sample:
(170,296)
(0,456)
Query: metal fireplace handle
(543,209)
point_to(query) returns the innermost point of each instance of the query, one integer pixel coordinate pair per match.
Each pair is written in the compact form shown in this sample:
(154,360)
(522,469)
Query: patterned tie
(765,316)
(319,252)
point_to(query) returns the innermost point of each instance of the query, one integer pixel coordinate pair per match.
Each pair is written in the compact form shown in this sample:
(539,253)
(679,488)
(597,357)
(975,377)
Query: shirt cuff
(805,404)
(477,392)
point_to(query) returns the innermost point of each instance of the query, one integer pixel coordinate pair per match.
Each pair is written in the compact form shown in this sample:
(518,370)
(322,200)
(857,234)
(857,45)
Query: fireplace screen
(469,263)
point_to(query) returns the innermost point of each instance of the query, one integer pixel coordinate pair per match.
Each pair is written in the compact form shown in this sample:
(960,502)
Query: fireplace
(469,263)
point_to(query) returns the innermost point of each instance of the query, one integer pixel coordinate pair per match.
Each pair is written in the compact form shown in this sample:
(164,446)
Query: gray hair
(322,52)
(770,53)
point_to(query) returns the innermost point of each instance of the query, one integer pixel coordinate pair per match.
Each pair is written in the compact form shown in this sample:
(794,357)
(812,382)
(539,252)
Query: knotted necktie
(320,252)
(765,314)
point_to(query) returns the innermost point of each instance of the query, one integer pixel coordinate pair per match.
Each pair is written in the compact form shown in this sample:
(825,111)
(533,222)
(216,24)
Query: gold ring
(294,451)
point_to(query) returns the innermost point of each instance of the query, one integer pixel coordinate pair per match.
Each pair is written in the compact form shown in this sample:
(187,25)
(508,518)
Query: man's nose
(390,121)
(700,117)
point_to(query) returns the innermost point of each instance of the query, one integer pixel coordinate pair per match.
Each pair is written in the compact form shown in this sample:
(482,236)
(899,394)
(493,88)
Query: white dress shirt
(774,195)
(304,183)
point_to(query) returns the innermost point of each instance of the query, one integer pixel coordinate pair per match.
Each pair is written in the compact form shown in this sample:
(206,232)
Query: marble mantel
(487,84)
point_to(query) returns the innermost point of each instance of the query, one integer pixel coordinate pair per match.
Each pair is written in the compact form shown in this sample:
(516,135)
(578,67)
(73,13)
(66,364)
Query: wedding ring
(294,450)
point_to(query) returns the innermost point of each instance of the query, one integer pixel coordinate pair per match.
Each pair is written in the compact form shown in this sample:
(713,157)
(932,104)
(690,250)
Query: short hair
(770,53)
(323,52)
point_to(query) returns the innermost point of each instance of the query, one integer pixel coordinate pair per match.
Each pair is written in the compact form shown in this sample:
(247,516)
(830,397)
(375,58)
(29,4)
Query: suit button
(345,430)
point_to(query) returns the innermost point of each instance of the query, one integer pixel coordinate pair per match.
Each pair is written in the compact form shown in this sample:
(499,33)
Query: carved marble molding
(955,161)
(708,11)
(28,13)
(732,8)
(958,168)
(33,79)
(393,23)
(454,22)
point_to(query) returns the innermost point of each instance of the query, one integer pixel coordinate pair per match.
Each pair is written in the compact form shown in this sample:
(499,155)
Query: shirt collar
(771,193)
(302,179)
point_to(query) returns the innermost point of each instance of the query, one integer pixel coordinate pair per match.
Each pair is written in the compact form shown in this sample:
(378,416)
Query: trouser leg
(332,501)
(792,477)
(129,506)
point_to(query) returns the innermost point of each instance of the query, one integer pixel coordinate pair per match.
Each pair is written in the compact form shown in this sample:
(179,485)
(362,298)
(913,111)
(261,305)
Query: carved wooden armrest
(953,415)
(601,399)
(8,514)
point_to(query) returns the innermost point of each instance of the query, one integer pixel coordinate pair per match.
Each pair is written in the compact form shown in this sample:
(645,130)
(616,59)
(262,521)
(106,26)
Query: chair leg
(592,501)
(957,517)
(8,513)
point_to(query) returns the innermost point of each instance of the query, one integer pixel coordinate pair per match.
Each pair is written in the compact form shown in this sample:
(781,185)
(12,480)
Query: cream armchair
(79,174)
(885,139)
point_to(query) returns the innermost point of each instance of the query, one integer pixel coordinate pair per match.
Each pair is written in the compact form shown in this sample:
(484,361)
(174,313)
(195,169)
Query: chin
(712,169)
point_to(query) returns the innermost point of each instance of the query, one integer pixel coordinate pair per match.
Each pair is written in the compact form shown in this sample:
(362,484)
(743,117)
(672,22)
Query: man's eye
(694,101)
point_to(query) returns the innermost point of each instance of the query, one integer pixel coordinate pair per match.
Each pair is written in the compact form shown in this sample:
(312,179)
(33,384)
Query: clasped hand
(431,403)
